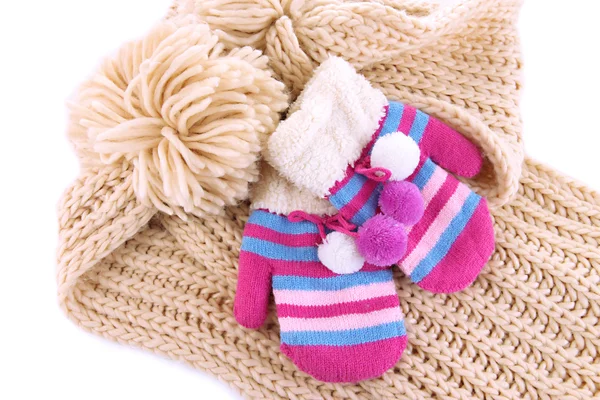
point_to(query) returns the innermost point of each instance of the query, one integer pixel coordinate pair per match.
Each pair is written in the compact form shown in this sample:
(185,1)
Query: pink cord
(334,222)
(337,222)
(299,216)
(377,174)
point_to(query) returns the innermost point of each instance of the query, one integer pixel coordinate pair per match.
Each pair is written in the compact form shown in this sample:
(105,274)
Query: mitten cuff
(327,128)
(275,193)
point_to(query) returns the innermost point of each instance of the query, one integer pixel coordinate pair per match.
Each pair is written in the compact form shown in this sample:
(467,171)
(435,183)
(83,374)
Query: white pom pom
(398,153)
(340,254)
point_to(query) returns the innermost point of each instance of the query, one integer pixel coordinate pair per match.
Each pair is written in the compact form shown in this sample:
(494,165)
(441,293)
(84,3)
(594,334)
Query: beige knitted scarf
(146,259)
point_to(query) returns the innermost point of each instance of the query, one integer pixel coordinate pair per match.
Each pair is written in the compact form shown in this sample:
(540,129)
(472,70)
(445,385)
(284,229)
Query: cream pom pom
(189,116)
(339,253)
(398,153)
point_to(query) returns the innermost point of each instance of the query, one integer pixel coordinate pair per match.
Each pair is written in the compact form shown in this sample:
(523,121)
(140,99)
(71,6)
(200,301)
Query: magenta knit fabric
(337,328)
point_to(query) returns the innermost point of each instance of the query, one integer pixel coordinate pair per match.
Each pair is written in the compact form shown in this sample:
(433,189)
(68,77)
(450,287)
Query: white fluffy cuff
(276,194)
(328,126)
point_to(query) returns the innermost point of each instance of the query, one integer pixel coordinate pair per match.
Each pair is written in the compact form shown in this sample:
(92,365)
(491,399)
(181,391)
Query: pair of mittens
(329,144)
(337,328)
(334,151)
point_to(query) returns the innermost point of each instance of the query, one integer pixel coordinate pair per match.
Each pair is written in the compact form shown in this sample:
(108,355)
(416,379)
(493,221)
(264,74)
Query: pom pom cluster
(382,240)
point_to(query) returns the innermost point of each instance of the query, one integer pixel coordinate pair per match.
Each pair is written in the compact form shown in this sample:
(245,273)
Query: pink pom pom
(382,241)
(402,201)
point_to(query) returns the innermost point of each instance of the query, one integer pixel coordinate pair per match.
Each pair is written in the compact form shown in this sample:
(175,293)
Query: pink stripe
(431,213)
(358,201)
(341,322)
(347,363)
(291,240)
(431,188)
(323,298)
(355,307)
(408,117)
(439,225)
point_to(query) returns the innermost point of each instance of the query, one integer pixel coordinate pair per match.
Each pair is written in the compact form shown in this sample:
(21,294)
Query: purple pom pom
(382,241)
(402,201)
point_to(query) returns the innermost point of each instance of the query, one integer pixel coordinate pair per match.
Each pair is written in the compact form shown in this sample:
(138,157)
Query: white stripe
(435,230)
(328,297)
(436,181)
(341,322)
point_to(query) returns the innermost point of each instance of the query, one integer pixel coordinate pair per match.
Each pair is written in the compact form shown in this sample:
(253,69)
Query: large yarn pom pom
(187,114)
(339,254)
(382,241)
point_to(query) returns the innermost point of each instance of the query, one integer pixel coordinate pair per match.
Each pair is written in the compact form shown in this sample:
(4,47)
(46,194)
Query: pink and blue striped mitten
(337,328)
(337,124)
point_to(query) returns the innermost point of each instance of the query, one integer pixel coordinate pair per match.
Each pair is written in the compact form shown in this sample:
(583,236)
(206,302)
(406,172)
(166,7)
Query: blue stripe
(442,247)
(419,125)
(281,224)
(348,192)
(424,174)
(278,251)
(344,338)
(392,122)
(289,282)
(369,209)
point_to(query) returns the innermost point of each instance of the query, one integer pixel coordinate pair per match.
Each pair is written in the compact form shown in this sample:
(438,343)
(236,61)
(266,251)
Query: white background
(48,46)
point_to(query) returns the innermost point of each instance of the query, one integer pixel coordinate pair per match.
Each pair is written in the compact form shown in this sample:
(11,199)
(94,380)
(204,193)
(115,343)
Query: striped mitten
(337,328)
(449,246)
(341,134)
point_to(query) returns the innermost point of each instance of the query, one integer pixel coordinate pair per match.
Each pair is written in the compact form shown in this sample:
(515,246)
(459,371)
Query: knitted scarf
(140,264)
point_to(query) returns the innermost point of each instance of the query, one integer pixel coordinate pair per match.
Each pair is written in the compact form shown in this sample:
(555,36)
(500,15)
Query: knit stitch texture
(528,327)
